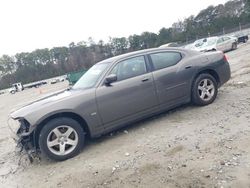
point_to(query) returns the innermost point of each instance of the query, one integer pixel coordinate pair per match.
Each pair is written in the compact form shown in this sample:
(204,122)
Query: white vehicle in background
(171,44)
(190,46)
(16,87)
(223,43)
(62,79)
(59,79)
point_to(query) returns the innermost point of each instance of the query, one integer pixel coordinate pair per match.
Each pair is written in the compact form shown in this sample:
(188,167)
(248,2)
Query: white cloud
(30,24)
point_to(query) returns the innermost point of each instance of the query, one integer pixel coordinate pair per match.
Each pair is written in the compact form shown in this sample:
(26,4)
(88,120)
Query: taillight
(225,58)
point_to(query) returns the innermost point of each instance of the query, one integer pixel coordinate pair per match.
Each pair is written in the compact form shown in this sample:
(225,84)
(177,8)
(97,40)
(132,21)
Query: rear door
(228,43)
(132,93)
(221,46)
(171,78)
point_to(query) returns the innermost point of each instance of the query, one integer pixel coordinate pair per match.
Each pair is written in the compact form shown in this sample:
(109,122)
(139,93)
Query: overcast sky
(30,24)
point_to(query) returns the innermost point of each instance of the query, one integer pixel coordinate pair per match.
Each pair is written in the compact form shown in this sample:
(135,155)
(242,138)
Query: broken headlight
(18,126)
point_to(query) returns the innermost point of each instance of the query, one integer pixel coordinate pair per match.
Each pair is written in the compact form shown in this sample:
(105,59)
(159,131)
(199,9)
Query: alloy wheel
(206,89)
(62,140)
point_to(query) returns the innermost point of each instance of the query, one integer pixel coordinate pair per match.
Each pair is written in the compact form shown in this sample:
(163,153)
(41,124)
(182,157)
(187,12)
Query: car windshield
(205,42)
(211,41)
(89,79)
(199,43)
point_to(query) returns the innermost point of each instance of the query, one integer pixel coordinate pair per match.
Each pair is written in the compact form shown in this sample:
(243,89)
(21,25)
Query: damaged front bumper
(22,136)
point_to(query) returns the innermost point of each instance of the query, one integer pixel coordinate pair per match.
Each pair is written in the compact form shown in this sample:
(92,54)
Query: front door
(132,93)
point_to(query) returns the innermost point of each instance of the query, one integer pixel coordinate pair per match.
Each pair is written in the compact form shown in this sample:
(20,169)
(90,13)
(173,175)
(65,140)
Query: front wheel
(204,90)
(61,139)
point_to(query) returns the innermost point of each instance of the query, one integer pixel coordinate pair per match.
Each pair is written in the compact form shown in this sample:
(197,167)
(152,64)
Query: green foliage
(247,6)
(120,45)
(135,42)
(7,64)
(45,63)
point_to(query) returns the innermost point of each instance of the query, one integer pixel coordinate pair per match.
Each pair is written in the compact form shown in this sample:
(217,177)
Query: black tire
(47,131)
(196,93)
(234,46)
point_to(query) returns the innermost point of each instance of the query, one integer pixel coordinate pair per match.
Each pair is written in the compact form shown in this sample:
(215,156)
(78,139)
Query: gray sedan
(117,92)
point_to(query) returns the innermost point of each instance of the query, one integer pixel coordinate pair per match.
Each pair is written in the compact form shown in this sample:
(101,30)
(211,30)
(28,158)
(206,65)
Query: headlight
(19,126)
(14,125)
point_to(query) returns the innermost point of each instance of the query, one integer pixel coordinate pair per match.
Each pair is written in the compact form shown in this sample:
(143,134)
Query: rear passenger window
(165,59)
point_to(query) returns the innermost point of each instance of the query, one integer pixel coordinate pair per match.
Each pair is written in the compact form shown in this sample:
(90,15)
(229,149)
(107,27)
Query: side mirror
(110,78)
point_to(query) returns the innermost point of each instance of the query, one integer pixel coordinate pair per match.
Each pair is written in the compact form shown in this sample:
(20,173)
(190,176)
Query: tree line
(46,63)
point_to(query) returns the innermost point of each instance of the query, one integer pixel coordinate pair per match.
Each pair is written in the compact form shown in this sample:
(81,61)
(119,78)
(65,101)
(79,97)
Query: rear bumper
(224,73)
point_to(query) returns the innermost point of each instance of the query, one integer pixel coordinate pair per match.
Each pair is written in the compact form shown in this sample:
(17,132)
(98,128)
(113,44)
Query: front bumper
(20,133)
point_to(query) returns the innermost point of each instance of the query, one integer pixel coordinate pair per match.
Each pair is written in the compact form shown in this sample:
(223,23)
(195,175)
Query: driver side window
(130,68)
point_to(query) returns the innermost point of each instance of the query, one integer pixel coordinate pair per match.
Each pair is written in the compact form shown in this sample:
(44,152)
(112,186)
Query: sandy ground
(185,147)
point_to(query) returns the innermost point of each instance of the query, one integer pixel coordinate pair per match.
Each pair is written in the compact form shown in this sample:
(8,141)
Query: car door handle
(188,67)
(145,79)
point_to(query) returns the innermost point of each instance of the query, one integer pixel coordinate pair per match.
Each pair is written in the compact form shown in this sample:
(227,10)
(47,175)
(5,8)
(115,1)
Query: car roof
(207,38)
(142,52)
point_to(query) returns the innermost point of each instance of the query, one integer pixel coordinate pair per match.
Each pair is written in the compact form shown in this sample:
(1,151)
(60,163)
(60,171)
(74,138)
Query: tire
(66,137)
(204,89)
(12,92)
(245,40)
(234,46)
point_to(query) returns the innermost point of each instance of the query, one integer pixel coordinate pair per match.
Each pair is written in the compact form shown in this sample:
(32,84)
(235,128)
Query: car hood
(45,101)
(206,48)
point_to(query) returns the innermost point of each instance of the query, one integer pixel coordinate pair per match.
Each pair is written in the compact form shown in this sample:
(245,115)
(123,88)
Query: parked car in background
(242,37)
(171,44)
(223,43)
(56,80)
(117,92)
(61,79)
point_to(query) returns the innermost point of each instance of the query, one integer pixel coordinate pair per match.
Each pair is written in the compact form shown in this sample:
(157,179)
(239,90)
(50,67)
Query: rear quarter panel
(197,61)
(215,62)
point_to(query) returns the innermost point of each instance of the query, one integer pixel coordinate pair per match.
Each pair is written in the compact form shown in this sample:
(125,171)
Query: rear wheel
(234,46)
(204,89)
(61,139)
